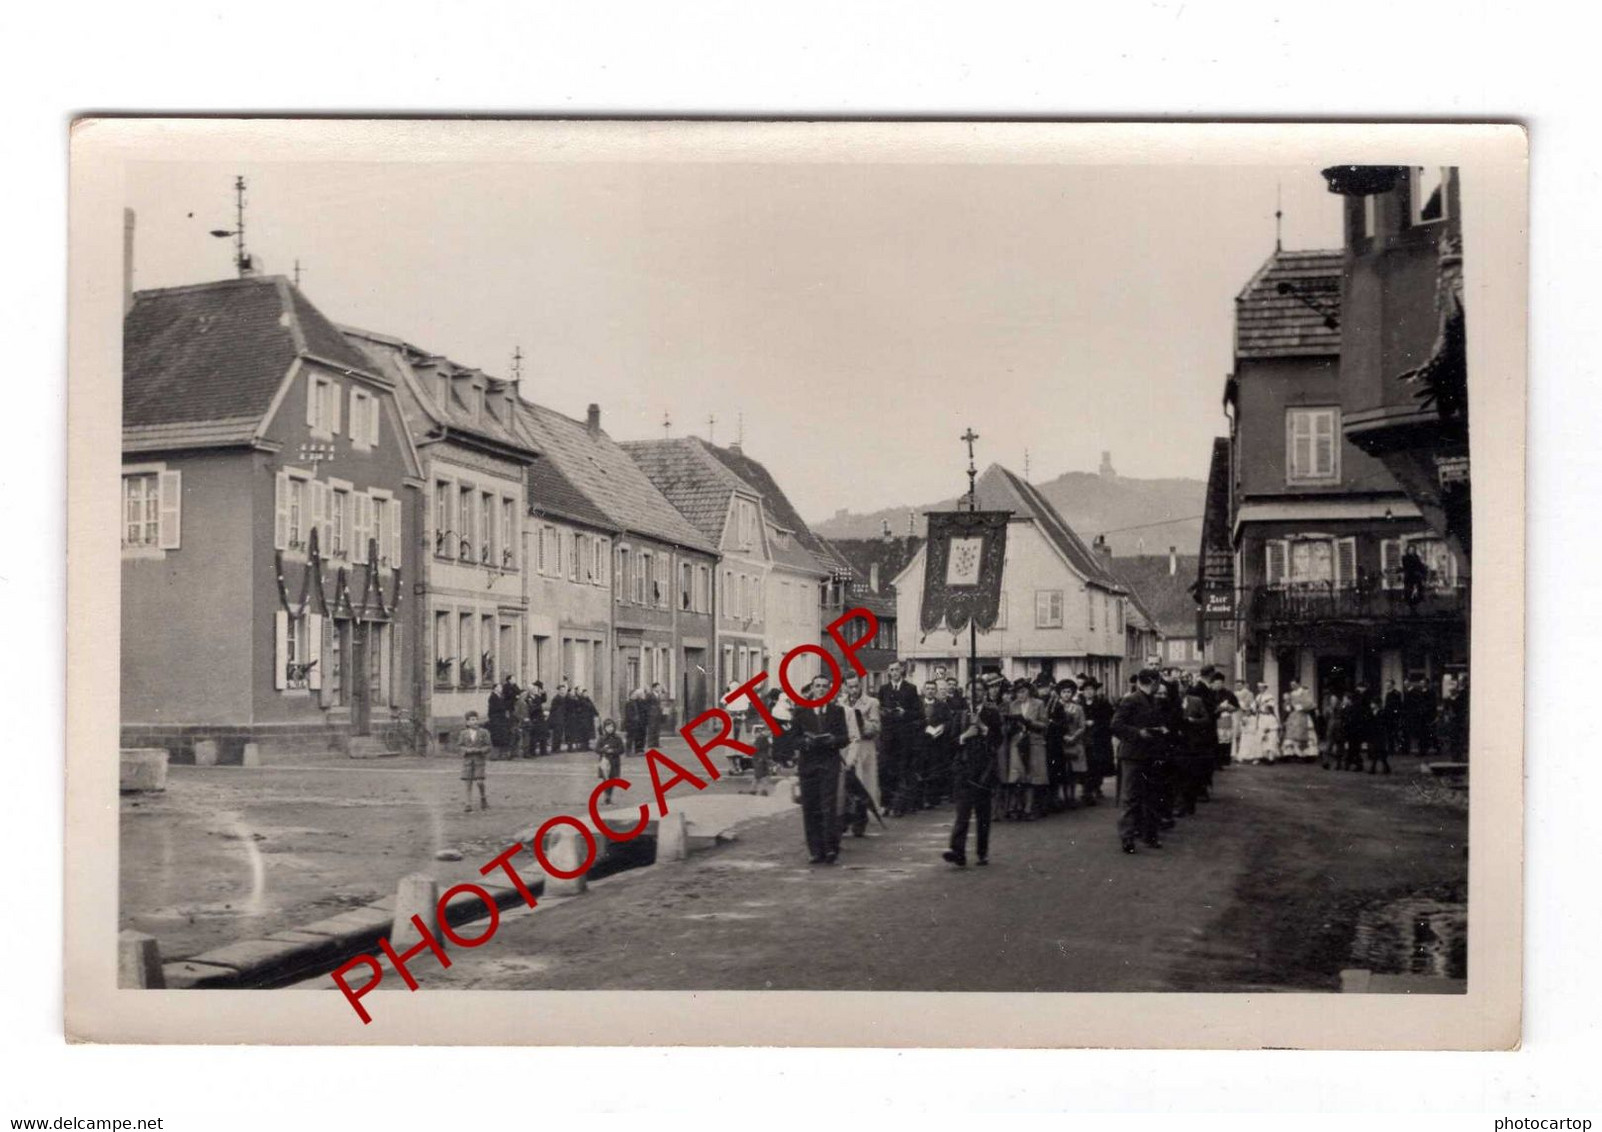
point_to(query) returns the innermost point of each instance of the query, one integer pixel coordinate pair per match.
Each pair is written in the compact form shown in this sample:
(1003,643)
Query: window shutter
(374,410)
(319,515)
(395,542)
(1346,562)
(311,399)
(334,400)
(280,650)
(281,511)
(1391,563)
(314,650)
(361,505)
(356,415)
(1275,566)
(171,490)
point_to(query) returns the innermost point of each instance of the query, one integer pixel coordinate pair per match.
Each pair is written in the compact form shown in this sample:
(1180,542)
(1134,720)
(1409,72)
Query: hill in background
(1167,512)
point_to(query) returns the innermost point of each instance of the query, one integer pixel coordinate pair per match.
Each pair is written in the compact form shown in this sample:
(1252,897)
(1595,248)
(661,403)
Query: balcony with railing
(1307,603)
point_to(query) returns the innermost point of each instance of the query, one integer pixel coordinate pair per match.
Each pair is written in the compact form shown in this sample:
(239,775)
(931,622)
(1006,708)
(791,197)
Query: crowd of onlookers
(1350,725)
(529,722)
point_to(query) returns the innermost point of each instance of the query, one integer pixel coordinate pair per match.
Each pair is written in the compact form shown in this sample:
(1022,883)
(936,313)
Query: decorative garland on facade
(312,582)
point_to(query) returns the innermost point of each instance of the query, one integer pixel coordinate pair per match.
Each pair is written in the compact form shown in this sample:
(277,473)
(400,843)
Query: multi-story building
(569,542)
(1404,363)
(1321,529)
(472,601)
(270,511)
(727,512)
(808,580)
(1062,610)
(661,566)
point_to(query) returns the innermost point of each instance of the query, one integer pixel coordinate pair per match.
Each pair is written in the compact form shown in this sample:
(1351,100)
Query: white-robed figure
(860,755)
(1267,723)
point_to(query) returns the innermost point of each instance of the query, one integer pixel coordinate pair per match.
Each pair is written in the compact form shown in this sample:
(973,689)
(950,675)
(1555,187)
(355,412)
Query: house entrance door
(361,711)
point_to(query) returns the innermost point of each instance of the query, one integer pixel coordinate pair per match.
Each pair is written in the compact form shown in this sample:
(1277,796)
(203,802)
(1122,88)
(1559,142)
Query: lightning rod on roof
(242,258)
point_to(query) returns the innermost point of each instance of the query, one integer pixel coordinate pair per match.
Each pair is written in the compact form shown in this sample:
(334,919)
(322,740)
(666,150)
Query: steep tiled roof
(1165,595)
(215,352)
(778,505)
(599,468)
(998,489)
(699,486)
(406,365)
(1272,324)
(552,493)
(891,555)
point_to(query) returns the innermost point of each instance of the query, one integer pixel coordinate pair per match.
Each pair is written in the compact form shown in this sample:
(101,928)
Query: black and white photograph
(930,562)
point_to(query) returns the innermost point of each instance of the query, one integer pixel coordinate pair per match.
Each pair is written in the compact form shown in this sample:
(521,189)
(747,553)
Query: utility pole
(297,273)
(968,437)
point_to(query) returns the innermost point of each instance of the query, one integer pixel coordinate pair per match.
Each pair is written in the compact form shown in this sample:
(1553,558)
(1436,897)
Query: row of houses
(1335,548)
(337,540)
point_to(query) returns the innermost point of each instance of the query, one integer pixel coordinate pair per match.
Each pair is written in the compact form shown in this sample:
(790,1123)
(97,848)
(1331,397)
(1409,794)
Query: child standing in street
(474,743)
(609,748)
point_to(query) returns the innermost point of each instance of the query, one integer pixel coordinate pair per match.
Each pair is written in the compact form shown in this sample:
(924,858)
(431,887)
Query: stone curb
(293,954)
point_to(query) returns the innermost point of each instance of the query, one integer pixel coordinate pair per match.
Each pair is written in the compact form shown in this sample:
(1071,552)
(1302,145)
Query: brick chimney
(592,419)
(1103,546)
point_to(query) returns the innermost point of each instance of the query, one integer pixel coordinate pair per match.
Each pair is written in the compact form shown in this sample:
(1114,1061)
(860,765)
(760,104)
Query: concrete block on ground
(142,769)
(417,895)
(190,975)
(139,961)
(250,755)
(672,838)
(206,752)
(566,849)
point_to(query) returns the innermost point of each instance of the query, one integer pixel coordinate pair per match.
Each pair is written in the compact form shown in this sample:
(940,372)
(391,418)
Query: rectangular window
(363,419)
(1048,609)
(297,513)
(570,547)
(488,673)
(486,529)
(1312,446)
(1090,610)
(603,555)
(619,577)
(322,405)
(380,528)
(466,665)
(141,510)
(339,523)
(444,532)
(642,568)
(465,533)
(444,654)
(1437,560)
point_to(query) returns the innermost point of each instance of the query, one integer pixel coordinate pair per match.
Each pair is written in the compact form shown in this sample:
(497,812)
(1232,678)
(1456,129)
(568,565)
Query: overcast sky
(858,317)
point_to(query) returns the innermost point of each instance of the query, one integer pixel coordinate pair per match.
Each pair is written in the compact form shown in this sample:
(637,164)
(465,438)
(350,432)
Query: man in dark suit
(819,735)
(1143,727)
(901,717)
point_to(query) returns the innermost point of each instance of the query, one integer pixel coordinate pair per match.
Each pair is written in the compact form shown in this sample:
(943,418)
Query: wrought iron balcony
(1307,603)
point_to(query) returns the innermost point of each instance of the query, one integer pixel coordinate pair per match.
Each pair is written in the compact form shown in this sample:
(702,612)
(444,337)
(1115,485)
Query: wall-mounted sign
(1452,469)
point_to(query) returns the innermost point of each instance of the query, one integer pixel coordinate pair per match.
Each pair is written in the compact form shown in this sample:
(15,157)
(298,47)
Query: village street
(230,853)
(1289,876)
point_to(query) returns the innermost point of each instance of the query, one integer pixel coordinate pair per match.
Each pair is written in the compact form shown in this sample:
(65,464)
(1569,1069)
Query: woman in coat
(1026,760)
(583,712)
